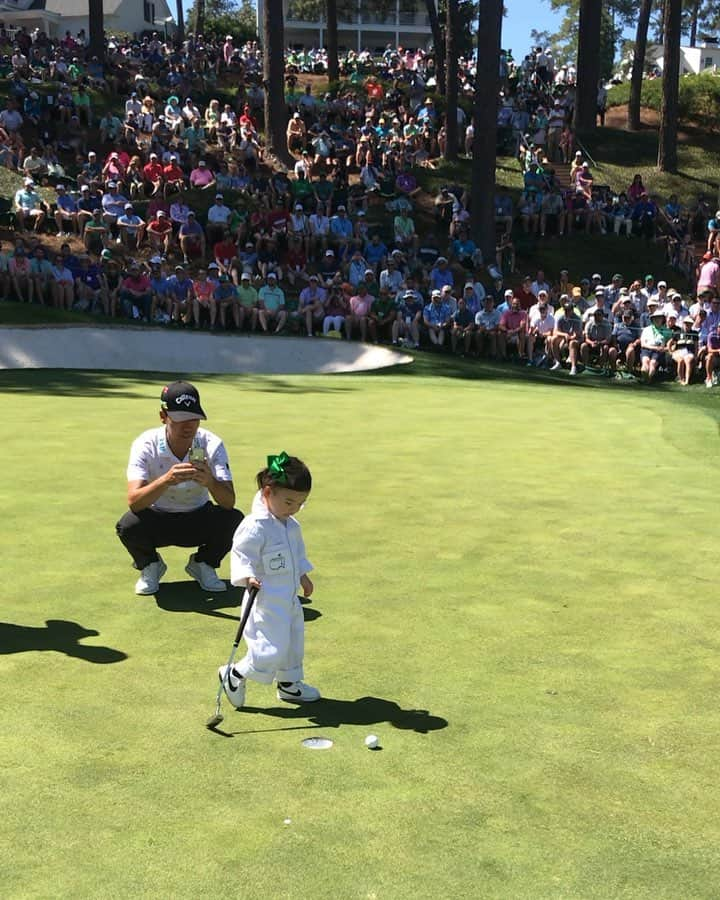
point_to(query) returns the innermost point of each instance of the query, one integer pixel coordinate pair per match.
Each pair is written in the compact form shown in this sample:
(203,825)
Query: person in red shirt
(159,232)
(204,298)
(174,177)
(136,294)
(512,331)
(278,220)
(224,252)
(525,295)
(246,120)
(153,174)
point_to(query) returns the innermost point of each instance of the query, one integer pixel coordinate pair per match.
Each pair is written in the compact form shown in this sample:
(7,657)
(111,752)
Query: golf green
(516,590)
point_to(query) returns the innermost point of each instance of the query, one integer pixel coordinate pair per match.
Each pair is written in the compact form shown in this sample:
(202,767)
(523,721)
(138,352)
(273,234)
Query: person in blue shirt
(66,212)
(341,231)
(437,316)
(159,285)
(180,288)
(441,274)
(409,318)
(375,251)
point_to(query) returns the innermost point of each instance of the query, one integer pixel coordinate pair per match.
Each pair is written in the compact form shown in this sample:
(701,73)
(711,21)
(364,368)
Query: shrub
(699,98)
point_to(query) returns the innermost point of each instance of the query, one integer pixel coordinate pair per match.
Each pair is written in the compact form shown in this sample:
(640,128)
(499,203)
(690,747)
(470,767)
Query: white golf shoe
(205,575)
(297,692)
(149,580)
(233,685)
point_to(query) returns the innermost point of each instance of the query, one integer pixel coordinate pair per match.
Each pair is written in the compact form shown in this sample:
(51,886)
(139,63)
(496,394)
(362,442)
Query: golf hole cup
(372,742)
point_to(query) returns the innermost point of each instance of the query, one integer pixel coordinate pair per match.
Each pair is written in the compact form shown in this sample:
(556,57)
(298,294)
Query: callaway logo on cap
(181,401)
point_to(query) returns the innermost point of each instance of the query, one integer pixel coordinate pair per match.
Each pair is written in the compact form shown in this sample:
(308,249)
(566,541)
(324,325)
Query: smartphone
(197,455)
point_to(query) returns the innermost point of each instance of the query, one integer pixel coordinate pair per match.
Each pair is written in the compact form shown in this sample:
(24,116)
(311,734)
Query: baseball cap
(408,295)
(213,265)
(597,277)
(112,184)
(245,276)
(436,293)
(29,182)
(218,196)
(202,163)
(181,401)
(662,284)
(442,259)
(271,275)
(314,278)
(508,293)
(85,187)
(653,302)
(298,206)
(156,260)
(329,253)
(59,187)
(599,290)
(161,212)
(689,319)
(128,206)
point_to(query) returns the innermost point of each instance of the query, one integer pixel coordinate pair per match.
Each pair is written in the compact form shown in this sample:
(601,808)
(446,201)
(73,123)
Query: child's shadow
(329,713)
(58,635)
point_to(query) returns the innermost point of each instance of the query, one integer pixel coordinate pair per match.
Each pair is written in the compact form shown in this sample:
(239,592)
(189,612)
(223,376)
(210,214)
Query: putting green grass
(516,590)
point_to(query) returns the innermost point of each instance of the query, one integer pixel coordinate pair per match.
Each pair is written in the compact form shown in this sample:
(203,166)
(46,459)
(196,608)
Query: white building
(693,60)
(362,24)
(55,17)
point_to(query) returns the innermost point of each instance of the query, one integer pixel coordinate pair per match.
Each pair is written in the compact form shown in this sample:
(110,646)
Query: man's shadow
(58,635)
(188,596)
(330,713)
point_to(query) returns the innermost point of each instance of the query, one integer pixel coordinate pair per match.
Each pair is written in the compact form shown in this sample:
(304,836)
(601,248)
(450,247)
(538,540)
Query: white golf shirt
(151,457)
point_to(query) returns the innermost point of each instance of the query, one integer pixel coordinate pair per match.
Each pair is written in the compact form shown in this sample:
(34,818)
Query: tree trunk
(487,86)
(694,22)
(667,145)
(274,81)
(451,81)
(180,33)
(633,113)
(438,44)
(588,65)
(332,41)
(96,27)
(199,17)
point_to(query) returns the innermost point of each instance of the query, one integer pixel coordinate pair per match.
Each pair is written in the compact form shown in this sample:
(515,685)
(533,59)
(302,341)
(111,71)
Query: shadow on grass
(59,636)
(89,383)
(75,383)
(330,713)
(188,597)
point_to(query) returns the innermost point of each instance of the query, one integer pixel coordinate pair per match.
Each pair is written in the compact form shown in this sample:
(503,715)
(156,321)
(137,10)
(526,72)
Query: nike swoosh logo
(291,693)
(227,681)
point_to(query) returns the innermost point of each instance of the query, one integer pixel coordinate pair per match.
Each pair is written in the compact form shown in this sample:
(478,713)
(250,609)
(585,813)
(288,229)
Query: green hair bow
(276,466)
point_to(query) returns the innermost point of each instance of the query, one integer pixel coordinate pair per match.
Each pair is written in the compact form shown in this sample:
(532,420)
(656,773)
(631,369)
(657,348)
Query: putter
(217,718)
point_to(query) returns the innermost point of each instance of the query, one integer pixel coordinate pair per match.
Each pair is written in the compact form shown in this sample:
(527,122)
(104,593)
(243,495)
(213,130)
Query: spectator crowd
(147,195)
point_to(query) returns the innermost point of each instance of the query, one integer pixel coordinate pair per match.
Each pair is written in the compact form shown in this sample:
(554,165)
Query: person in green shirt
(383,311)
(301,189)
(83,105)
(323,190)
(247,301)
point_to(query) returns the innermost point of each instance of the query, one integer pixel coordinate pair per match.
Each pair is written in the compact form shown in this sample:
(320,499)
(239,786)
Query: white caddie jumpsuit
(272,551)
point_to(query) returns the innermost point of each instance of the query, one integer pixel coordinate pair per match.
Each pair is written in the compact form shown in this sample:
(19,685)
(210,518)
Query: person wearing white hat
(131,228)
(29,207)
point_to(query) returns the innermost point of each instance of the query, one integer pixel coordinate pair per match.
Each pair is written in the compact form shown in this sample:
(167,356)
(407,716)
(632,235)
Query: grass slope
(518,576)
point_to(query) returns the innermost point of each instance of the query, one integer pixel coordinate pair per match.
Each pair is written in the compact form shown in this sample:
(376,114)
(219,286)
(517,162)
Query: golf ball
(371,741)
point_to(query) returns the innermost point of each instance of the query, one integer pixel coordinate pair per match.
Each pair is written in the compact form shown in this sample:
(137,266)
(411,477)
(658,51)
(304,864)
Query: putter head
(214,721)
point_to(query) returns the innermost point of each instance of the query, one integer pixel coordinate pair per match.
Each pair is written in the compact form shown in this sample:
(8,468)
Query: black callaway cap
(181,400)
